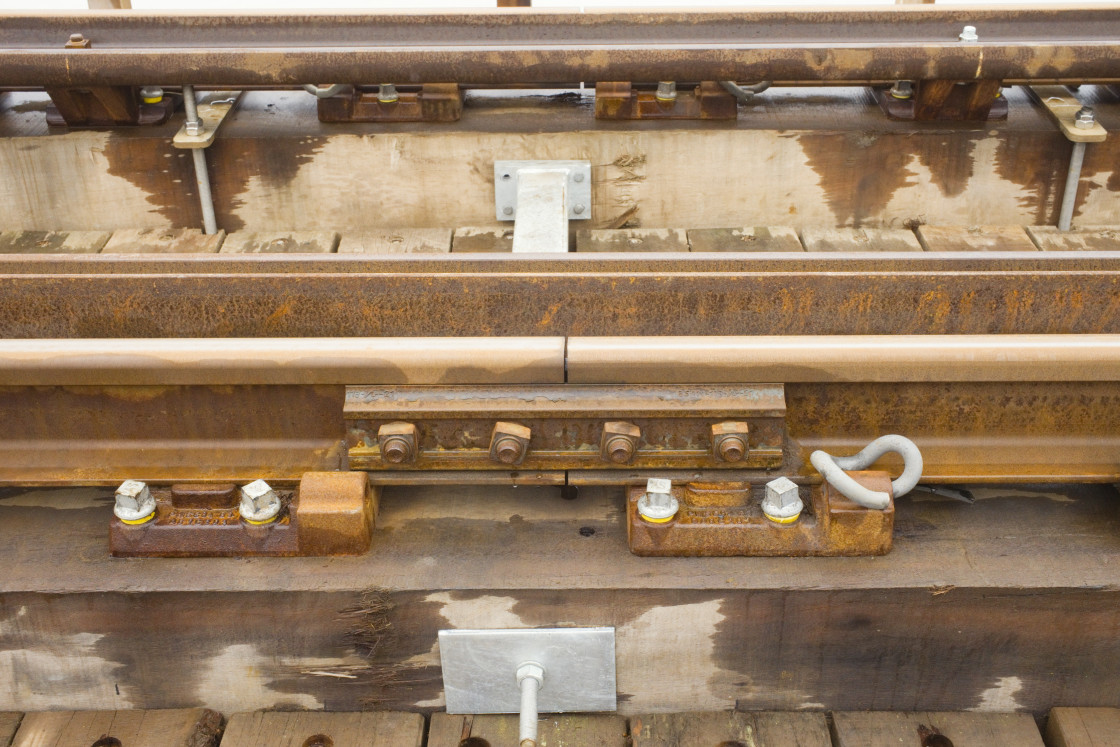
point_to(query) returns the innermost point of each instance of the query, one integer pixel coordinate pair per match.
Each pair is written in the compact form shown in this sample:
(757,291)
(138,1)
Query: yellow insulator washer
(779,520)
(656,521)
(144,520)
(259,523)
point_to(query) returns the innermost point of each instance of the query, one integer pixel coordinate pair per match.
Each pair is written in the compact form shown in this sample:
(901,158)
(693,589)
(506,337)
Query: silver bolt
(259,502)
(968,34)
(194,127)
(667,90)
(1085,118)
(507,210)
(135,503)
(902,89)
(578,209)
(657,504)
(577,178)
(387,93)
(782,503)
(151,94)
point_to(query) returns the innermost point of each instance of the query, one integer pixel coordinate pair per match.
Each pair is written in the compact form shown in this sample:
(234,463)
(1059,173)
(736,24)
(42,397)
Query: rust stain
(949,160)
(164,173)
(859,172)
(272,162)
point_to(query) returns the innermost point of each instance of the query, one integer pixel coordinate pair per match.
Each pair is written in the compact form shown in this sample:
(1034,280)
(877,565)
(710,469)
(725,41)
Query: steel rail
(542,360)
(863,44)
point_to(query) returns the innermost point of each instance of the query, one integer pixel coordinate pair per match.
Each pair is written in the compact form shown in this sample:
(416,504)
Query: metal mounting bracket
(541,197)
(480,669)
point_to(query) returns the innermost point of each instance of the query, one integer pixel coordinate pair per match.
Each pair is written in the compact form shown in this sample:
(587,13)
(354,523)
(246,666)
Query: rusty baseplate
(623,100)
(330,513)
(431,102)
(566,427)
(726,519)
(946,101)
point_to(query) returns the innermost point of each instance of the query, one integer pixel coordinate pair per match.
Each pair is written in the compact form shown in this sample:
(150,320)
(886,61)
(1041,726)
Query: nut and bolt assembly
(619,442)
(134,503)
(657,505)
(509,443)
(782,503)
(968,34)
(387,94)
(398,442)
(77,41)
(667,91)
(259,503)
(1085,118)
(729,441)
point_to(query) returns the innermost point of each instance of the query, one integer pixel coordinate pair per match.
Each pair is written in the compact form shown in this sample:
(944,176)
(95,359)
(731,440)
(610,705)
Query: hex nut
(658,505)
(619,442)
(729,441)
(134,502)
(968,34)
(782,503)
(398,442)
(259,503)
(1085,118)
(509,443)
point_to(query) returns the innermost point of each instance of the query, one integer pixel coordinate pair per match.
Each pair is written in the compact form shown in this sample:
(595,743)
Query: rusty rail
(853,45)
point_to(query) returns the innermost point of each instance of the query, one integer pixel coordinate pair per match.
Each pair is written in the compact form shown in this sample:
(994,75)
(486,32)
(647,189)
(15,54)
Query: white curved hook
(832,469)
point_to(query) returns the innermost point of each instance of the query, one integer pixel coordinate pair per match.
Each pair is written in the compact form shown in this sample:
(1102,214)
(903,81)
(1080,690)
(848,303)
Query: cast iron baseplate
(330,513)
(726,519)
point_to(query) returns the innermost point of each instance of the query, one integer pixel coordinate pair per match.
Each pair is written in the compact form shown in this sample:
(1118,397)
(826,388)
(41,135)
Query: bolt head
(659,485)
(259,502)
(578,209)
(658,505)
(77,38)
(507,210)
(577,178)
(968,34)
(782,503)
(134,501)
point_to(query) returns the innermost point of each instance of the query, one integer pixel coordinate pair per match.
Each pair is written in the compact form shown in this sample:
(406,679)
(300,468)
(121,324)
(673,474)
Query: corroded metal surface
(562,427)
(331,513)
(499,47)
(417,304)
(726,519)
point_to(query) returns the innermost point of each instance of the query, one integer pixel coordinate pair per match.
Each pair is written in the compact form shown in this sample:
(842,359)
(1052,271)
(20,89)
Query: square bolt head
(509,443)
(399,442)
(132,493)
(619,442)
(730,441)
(260,494)
(782,492)
(659,485)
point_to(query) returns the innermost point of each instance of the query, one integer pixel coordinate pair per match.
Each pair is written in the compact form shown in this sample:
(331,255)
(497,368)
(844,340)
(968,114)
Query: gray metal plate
(579,186)
(480,666)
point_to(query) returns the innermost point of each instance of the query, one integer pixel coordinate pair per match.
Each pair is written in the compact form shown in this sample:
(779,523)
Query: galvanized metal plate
(480,666)
(579,186)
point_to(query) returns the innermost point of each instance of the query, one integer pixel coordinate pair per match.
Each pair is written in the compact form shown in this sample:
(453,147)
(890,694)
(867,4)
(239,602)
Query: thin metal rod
(205,199)
(201,174)
(1073,178)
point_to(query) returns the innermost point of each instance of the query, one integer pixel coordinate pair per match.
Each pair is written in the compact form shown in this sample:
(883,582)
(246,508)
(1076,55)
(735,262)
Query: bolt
(782,504)
(259,503)
(968,34)
(577,178)
(509,443)
(135,504)
(77,41)
(397,442)
(194,127)
(507,210)
(667,91)
(76,38)
(657,505)
(619,442)
(578,209)
(902,89)
(1085,118)
(729,440)
(387,94)
(151,94)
